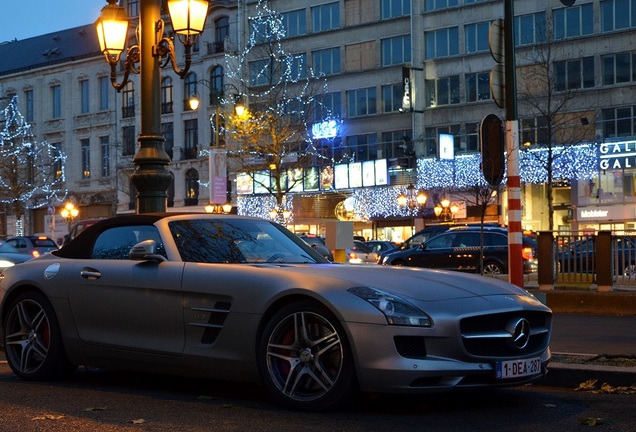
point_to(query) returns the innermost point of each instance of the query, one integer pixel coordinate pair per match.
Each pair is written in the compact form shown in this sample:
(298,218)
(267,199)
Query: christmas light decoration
(31,172)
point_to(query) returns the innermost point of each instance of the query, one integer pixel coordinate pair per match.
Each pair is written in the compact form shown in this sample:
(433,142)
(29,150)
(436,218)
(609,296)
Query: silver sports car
(238,298)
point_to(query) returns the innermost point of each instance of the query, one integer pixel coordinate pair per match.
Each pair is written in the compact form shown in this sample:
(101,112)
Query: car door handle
(90,274)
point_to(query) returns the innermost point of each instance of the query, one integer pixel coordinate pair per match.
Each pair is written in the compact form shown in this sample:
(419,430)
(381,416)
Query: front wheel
(33,342)
(304,358)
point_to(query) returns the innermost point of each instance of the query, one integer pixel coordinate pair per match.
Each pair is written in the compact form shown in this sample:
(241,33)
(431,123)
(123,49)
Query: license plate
(518,368)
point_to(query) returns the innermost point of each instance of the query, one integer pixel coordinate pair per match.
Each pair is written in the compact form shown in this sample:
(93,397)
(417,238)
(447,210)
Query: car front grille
(493,335)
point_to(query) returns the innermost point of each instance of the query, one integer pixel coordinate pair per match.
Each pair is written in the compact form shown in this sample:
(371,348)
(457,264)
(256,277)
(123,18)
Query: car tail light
(526,253)
(35,254)
(353,255)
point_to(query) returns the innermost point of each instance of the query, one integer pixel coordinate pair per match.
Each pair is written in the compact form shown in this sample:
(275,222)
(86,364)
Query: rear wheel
(32,340)
(305,359)
(492,268)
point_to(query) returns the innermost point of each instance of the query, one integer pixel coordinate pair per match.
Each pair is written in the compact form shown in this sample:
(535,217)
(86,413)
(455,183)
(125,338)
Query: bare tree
(552,115)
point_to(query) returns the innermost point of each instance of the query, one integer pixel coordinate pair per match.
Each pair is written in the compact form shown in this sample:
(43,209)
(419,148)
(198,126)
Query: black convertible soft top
(82,245)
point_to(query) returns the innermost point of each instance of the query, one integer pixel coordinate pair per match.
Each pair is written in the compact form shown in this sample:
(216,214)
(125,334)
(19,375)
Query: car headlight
(396,310)
(5,264)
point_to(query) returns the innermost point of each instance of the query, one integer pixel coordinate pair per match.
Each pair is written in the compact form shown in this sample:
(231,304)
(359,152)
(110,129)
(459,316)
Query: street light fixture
(413,198)
(151,178)
(446,210)
(69,212)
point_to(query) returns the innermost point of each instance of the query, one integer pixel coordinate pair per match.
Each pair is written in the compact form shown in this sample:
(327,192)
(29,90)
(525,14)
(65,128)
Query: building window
(260,72)
(167,101)
(432,5)
(442,43)
(431,138)
(128,100)
(132,8)
(574,74)
(363,147)
(442,91)
(361,102)
(295,23)
(619,68)
(573,21)
(477,86)
(392,97)
(217,80)
(326,106)
(325,17)
(104,88)
(191,130)
(296,67)
(472,137)
(28,97)
(192,188)
(534,131)
(326,61)
(57,164)
(617,15)
(477,37)
(104,145)
(84,94)
(56,101)
(396,50)
(129,139)
(530,29)
(85,147)
(167,130)
(221,32)
(395,8)
(397,144)
(189,90)
(619,122)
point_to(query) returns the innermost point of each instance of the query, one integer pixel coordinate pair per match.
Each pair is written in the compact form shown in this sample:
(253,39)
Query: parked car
(360,253)
(381,246)
(77,228)
(10,256)
(317,243)
(33,245)
(459,249)
(244,299)
(579,256)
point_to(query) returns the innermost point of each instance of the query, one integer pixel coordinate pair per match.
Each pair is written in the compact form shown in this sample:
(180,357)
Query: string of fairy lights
(576,162)
(31,172)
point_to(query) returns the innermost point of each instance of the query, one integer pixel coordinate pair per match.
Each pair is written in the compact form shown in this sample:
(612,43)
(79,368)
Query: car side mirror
(145,251)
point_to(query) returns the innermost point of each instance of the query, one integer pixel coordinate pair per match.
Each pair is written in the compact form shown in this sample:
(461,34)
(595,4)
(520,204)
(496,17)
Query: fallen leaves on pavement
(605,388)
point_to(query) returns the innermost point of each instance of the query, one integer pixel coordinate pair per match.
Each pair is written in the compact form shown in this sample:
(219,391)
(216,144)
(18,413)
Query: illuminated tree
(273,136)
(31,172)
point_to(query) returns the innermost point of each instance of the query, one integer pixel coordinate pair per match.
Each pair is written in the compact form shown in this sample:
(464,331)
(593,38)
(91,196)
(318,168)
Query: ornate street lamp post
(151,178)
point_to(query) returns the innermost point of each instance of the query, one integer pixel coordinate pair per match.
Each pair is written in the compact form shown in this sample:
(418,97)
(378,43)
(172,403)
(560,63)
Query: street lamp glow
(188,16)
(112,30)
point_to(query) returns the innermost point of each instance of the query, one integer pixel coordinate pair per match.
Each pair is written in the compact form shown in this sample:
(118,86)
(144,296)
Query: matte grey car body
(244,299)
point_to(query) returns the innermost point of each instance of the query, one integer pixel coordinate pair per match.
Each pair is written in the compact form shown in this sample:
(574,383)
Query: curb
(572,375)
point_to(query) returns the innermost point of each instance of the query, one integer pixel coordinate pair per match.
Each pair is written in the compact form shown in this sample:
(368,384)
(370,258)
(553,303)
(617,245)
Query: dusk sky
(23,19)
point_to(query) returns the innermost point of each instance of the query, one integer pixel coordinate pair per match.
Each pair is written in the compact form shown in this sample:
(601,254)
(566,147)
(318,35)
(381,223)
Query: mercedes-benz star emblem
(519,329)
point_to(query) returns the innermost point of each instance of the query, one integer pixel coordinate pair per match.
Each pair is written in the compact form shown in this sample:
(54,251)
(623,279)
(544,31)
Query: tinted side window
(441,241)
(495,239)
(115,243)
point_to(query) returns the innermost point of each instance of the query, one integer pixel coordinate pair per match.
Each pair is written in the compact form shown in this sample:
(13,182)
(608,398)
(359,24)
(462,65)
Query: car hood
(421,284)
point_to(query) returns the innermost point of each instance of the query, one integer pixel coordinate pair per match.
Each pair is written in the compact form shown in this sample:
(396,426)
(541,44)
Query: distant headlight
(396,310)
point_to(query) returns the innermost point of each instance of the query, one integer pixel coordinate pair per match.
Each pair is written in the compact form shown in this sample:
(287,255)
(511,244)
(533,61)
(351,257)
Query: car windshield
(44,242)
(238,241)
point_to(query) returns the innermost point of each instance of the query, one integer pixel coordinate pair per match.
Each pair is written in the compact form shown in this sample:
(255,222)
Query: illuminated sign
(587,214)
(618,155)
(326,129)
(446,146)
(406,95)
